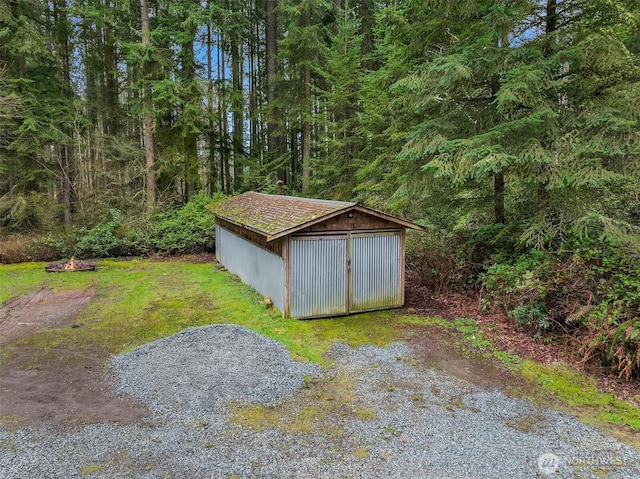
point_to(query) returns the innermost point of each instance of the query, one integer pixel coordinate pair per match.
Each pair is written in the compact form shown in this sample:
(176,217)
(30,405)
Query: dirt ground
(28,313)
(61,386)
(55,385)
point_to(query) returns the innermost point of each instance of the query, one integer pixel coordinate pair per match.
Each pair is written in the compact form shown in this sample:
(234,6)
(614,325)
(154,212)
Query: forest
(508,128)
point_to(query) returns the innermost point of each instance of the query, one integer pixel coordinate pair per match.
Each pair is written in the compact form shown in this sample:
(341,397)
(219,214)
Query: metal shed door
(318,276)
(375,271)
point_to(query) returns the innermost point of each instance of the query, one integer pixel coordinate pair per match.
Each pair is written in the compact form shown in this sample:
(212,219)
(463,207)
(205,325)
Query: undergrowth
(588,291)
(173,229)
(585,289)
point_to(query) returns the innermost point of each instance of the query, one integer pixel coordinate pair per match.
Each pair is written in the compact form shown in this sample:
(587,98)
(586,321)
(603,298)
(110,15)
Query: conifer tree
(340,145)
(538,95)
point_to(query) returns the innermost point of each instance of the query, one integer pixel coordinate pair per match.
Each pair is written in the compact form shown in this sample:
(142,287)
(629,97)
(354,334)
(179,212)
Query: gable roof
(274,216)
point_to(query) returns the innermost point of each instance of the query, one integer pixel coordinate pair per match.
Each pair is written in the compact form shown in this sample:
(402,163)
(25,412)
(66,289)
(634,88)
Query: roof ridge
(303,198)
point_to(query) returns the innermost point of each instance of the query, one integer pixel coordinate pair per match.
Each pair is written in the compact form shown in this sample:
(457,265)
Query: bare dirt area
(500,329)
(433,350)
(28,313)
(55,385)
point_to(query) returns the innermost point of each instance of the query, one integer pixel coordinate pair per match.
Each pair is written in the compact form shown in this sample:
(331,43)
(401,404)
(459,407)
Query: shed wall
(333,274)
(257,267)
(376,281)
(318,276)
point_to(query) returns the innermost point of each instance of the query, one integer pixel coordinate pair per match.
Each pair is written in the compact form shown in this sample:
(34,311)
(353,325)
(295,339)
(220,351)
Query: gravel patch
(425,424)
(195,373)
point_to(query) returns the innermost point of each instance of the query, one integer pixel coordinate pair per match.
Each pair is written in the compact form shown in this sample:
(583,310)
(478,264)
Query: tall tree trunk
(237,102)
(190,138)
(66,185)
(275,142)
(253,94)
(498,177)
(111,102)
(367,12)
(147,125)
(213,176)
(223,123)
(551,25)
(306,124)
(498,188)
(65,149)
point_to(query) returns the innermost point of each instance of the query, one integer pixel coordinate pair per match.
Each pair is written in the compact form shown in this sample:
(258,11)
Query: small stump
(71,265)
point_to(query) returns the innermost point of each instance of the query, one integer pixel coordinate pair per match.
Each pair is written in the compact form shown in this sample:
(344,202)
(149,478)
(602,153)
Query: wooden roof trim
(242,225)
(364,209)
(312,222)
(393,219)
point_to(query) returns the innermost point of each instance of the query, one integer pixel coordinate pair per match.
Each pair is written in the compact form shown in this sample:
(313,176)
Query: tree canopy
(447,112)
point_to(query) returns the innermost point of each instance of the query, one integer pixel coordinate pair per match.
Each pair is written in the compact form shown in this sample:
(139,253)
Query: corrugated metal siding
(375,271)
(257,267)
(318,276)
(218,244)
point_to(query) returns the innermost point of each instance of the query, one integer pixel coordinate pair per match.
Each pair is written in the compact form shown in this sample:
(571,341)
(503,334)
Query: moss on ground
(572,391)
(140,301)
(320,408)
(89,469)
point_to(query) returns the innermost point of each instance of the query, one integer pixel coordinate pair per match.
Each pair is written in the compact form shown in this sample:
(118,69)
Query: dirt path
(28,313)
(54,384)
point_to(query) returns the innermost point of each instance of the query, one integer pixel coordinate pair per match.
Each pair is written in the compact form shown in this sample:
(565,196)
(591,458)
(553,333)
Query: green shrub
(189,229)
(179,230)
(589,289)
(101,241)
(50,247)
(110,239)
(527,315)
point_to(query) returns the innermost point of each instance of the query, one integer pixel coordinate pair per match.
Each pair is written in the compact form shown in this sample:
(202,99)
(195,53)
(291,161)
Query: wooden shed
(313,258)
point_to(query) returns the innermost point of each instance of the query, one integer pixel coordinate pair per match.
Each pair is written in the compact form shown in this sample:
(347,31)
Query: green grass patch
(257,418)
(361,453)
(579,395)
(16,279)
(89,469)
(140,301)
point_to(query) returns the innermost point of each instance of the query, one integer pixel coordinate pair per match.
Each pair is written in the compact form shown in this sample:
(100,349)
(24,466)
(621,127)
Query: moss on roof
(271,215)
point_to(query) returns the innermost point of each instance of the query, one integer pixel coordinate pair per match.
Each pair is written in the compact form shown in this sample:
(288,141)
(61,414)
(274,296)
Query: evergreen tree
(33,153)
(539,95)
(302,51)
(339,142)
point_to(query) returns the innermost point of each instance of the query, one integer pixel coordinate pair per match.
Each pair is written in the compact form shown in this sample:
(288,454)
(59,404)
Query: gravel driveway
(226,402)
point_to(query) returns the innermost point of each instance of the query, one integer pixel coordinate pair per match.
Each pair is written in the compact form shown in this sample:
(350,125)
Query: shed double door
(348,273)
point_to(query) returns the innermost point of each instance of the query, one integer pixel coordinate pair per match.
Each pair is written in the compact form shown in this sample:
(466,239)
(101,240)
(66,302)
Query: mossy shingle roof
(274,216)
